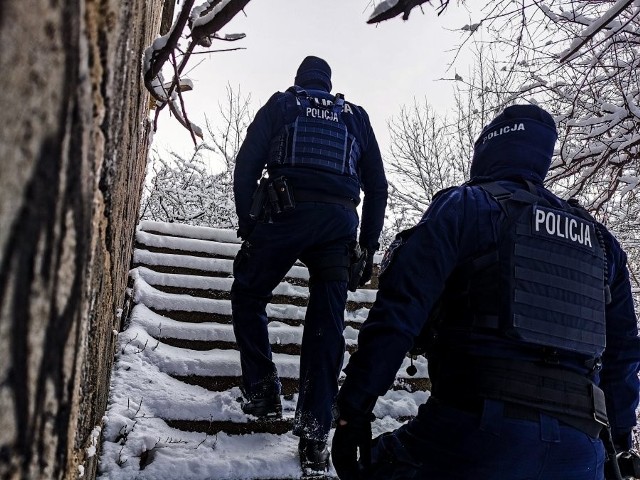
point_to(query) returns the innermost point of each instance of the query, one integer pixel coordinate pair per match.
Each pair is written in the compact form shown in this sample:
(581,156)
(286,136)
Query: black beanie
(519,140)
(314,72)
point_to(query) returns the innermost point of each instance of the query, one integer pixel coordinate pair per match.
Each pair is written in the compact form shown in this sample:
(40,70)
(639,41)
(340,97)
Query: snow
(234,36)
(138,441)
(594,26)
(383,7)
(95,436)
(199,19)
(187,244)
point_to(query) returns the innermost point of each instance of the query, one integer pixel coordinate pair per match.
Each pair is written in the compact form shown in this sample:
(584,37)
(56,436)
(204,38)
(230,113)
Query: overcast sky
(379,67)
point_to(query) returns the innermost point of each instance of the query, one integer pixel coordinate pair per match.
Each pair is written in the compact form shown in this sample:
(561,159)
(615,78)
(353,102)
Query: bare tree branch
(593,29)
(385,11)
(204,24)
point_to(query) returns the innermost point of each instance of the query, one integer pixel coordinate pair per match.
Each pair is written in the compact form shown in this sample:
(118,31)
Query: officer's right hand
(367,272)
(245,229)
(351,437)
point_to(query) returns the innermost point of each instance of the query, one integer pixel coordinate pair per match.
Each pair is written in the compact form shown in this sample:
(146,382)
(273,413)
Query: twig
(127,344)
(140,350)
(162,55)
(176,80)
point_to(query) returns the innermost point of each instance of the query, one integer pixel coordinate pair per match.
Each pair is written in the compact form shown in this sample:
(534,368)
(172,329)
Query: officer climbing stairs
(177,328)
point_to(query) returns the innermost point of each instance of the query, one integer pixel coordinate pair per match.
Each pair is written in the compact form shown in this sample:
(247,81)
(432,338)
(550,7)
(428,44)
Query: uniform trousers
(320,235)
(447,443)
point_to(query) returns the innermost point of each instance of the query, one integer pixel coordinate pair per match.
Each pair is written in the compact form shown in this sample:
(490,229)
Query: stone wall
(73,147)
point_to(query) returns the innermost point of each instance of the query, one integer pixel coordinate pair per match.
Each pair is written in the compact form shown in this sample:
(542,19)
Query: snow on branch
(594,93)
(388,9)
(591,31)
(215,16)
(204,22)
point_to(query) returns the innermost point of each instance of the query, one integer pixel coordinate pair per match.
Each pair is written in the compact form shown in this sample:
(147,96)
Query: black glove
(368,268)
(351,436)
(245,229)
(629,464)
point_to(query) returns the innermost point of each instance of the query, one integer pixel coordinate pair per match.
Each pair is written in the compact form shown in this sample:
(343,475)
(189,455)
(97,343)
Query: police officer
(512,291)
(318,151)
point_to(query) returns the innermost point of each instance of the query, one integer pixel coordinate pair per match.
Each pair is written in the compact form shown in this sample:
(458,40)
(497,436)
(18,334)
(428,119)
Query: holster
(257,210)
(273,196)
(356,267)
(283,199)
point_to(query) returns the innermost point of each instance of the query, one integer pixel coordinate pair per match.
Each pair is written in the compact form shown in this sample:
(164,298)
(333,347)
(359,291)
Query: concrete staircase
(178,366)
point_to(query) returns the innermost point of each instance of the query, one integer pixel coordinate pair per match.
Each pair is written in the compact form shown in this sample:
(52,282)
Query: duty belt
(561,393)
(311,196)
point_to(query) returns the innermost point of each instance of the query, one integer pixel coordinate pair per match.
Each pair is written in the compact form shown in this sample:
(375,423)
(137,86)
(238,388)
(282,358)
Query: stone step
(205,345)
(219,288)
(231,420)
(285,339)
(211,335)
(224,362)
(189,309)
(165,254)
(182,403)
(185,246)
(204,317)
(220,235)
(197,455)
(276,427)
(187,264)
(290,385)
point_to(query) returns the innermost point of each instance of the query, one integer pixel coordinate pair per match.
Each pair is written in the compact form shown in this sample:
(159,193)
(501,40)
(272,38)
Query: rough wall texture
(73,148)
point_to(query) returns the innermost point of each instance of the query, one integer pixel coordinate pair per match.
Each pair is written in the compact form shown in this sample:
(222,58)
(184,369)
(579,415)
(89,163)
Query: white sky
(379,67)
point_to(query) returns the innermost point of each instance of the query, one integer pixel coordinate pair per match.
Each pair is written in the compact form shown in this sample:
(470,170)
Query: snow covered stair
(174,409)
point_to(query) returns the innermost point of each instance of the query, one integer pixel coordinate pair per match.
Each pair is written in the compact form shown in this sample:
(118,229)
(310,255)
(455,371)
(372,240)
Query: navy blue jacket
(280,110)
(460,224)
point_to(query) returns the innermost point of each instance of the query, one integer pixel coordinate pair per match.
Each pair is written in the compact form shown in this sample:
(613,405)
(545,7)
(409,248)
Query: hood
(314,73)
(517,143)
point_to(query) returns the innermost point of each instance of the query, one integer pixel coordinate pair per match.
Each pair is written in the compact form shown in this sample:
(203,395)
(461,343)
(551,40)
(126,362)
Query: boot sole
(313,474)
(269,416)
(276,414)
(315,468)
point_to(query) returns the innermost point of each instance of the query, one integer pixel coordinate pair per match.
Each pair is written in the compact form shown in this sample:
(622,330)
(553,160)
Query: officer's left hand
(350,437)
(367,272)
(629,463)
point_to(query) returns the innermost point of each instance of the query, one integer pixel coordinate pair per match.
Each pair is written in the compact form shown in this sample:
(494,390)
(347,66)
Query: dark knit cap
(314,72)
(518,141)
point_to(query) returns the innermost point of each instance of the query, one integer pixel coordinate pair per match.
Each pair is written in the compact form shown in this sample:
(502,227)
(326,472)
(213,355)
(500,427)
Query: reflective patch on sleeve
(389,253)
(400,240)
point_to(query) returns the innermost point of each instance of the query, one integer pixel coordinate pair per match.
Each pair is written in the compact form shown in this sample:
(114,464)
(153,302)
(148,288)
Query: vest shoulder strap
(504,196)
(336,103)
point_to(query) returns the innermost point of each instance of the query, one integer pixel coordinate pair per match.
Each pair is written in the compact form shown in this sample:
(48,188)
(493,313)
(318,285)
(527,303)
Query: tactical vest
(317,138)
(545,282)
(543,285)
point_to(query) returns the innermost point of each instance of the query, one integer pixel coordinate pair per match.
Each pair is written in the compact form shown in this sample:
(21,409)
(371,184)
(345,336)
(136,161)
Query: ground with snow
(173,411)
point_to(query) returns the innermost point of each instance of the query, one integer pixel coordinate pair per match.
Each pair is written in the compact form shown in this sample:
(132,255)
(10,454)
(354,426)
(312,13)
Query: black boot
(266,405)
(314,456)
